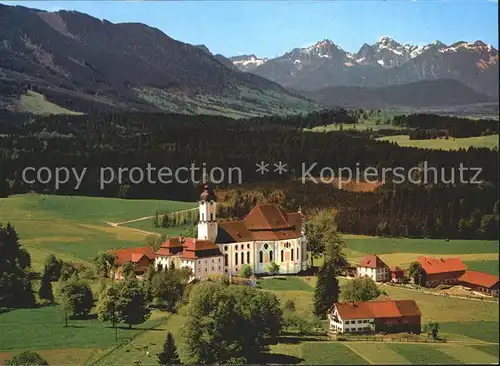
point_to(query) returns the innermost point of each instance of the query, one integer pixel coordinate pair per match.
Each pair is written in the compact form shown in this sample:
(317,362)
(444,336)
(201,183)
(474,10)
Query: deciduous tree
(360,289)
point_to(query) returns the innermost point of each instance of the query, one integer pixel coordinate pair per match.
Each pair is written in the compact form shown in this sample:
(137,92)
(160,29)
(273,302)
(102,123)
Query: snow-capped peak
(384,39)
(247,62)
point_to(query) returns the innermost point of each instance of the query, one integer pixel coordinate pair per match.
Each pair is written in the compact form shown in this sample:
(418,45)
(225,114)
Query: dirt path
(119,224)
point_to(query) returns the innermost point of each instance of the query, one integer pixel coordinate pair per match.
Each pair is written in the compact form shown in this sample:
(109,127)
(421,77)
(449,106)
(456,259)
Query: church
(265,235)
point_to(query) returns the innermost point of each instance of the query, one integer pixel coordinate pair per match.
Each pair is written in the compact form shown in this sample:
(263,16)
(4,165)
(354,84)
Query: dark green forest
(168,140)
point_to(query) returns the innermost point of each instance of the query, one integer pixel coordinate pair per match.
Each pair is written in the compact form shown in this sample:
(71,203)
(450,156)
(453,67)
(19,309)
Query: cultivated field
(490,142)
(76,228)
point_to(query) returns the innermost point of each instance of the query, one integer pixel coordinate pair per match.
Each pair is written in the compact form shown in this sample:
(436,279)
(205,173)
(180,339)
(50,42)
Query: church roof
(190,248)
(264,222)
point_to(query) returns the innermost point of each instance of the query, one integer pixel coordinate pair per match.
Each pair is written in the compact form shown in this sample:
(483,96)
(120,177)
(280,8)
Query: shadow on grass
(297,340)
(278,359)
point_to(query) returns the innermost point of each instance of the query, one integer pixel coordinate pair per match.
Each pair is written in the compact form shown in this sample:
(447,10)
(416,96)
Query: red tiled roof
(479,279)
(377,309)
(264,222)
(189,248)
(441,265)
(372,261)
(396,269)
(133,254)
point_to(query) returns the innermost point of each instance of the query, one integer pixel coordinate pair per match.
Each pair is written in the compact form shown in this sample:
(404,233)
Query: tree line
(430,125)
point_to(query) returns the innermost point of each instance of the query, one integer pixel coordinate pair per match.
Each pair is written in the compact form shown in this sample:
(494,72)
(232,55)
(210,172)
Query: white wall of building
(376,274)
(350,325)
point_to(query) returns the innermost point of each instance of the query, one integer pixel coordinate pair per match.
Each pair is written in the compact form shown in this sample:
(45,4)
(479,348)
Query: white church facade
(265,235)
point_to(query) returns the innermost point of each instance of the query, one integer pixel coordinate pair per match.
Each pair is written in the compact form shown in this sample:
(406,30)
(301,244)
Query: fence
(391,338)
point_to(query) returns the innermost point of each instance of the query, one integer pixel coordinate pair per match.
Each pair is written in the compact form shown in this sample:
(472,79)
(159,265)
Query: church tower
(207,224)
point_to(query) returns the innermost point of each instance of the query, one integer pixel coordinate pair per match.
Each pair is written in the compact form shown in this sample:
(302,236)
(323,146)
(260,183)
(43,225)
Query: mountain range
(70,61)
(84,63)
(384,63)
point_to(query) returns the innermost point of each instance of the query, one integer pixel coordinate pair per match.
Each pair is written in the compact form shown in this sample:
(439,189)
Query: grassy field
(36,103)
(422,354)
(490,142)
(488,266)
(74,228)
(482,254)
(43,330)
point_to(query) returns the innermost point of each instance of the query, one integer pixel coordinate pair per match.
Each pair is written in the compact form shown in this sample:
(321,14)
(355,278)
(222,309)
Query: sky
(271,28)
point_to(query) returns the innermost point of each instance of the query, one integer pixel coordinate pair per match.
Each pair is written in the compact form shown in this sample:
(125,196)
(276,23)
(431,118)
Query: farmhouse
(441,270)
(265,235)
(391,316)
(373,267)
(141,257)
(397,274)
(481,282)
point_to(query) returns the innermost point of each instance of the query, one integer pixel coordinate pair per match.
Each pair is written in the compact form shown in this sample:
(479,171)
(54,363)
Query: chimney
(181,239)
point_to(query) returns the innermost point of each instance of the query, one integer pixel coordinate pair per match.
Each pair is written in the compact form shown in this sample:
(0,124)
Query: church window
(236,258)
(270,255)
(266,246)
(242,257)
(202,217)
(248,257)
(282,256)
(261,257)
(297,254)
(211,217)
(225,248)
(226,260)
(291,257)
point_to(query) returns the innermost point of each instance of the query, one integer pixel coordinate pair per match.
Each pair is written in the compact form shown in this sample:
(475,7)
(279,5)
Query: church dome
(207,194)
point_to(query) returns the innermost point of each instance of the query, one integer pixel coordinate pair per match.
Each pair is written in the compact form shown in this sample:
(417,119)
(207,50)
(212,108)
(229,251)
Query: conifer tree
(45,290)
(327,290)
(168,355)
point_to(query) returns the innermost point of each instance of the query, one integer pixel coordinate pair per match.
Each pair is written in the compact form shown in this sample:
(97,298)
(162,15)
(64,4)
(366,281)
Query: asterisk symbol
(280,167)
(262,167)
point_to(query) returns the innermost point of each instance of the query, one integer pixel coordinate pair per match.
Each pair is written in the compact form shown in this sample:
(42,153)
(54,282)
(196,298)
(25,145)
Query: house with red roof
(374,267)
(203,257)
(441,270)
(397,274)
(141,257)
(484,283)
(385,315)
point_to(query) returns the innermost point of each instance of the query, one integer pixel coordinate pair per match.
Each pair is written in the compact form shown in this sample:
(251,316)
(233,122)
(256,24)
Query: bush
(289,305)
(27,358)
(246,271)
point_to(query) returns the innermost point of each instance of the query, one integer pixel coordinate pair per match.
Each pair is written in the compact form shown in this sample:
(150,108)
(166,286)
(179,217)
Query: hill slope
(420,94)
(82,63)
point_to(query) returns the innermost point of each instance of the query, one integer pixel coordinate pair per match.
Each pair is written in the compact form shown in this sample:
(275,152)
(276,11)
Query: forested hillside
(130,140)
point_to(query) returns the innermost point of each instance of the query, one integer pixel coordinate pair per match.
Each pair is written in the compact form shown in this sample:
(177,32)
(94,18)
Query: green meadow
(490,142)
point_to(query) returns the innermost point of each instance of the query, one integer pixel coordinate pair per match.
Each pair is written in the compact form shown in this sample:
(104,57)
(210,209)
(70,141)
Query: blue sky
(272,28)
